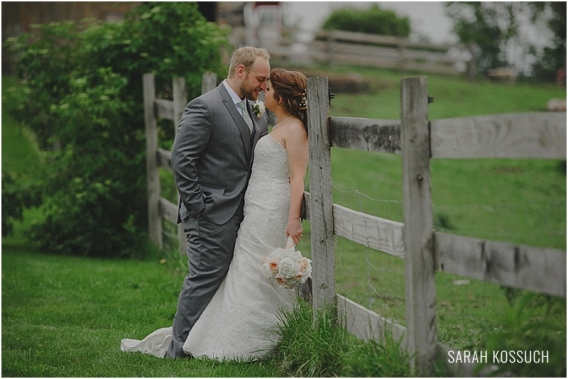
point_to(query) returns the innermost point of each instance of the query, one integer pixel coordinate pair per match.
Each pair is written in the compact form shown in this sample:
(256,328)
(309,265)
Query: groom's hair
(246,55)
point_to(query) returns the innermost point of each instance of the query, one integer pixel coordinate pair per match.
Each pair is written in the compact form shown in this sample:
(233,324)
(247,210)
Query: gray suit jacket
(212,156)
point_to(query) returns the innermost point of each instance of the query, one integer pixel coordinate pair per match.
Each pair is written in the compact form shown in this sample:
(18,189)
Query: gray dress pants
(210,251)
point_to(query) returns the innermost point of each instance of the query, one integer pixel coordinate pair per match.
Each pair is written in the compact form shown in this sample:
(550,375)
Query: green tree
(81,91)
(487,28)
(553,57)
(492,31)
(15,198)
(372,21)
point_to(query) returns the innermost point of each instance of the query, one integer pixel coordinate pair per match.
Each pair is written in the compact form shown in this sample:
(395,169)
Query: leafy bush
(372,21)
(15,198)
(81,94)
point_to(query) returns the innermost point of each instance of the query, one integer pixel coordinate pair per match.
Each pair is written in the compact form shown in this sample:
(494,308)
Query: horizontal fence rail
(154,108)
(532,268)
(518,266)
(343,47)
(515,135)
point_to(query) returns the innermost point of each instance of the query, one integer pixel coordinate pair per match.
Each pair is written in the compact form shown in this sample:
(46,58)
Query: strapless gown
(241,320)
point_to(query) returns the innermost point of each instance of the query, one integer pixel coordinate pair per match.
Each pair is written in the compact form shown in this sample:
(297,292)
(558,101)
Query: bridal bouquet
(287,266)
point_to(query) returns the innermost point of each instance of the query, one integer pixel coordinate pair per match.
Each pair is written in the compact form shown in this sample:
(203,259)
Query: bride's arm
(296,142)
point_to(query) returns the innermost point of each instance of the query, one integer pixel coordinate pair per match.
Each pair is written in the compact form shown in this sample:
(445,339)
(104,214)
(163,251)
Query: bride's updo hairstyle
(290,86)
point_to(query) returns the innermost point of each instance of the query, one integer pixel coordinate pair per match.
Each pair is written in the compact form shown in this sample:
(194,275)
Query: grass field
(65,316)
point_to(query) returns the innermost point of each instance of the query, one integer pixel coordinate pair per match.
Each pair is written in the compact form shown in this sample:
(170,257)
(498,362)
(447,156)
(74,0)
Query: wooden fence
(342,47)
(522,135)
(159,208)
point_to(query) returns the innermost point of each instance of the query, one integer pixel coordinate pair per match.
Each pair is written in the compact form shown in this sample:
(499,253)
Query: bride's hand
(294,230)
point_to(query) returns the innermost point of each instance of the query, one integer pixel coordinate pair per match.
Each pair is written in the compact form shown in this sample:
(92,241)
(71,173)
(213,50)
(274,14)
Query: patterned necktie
(245,114)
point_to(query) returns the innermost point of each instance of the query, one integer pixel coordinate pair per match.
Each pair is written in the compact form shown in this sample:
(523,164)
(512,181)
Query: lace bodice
(270,163)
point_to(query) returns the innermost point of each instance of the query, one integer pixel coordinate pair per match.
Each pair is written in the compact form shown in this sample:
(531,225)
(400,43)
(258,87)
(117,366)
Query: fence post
(418,227)
(208,82)
(152,175)
(179,102)
(400,47)
(321,204)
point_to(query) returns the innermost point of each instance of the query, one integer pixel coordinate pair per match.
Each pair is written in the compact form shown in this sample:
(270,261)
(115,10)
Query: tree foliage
(488,27)
(16,196)
(372,21)
(81,92)
(492,30)
(553,57)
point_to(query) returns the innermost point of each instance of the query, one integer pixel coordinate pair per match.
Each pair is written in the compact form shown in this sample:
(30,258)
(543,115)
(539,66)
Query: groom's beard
(248,91)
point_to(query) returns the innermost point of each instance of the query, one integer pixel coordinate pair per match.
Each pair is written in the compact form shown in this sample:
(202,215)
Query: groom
(211,159)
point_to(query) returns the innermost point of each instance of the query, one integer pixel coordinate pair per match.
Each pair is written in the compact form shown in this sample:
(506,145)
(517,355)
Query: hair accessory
(303,102)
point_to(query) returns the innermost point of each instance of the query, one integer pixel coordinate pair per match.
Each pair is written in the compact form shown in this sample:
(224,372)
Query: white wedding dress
(241,320)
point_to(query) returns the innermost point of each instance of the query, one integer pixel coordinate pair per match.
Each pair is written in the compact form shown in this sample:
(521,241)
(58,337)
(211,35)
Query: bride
(241,320)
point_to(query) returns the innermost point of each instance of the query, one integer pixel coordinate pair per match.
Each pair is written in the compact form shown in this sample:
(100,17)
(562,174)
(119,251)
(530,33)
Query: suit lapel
(238,120)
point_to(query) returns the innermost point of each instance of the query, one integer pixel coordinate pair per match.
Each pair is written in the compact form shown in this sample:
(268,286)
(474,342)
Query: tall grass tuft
(310,346)
(374,359)
(315,344)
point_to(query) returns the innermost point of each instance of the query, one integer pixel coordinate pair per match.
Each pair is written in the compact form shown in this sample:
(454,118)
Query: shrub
(15,198)
(81,93)
(372,21)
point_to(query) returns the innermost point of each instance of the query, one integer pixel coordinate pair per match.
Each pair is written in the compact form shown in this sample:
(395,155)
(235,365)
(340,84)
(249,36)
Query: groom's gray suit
(211,159)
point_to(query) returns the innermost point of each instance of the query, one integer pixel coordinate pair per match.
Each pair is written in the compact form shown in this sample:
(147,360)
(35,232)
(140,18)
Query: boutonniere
(258,108)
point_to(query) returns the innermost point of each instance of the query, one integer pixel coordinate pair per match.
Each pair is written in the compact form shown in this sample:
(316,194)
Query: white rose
(305,269)
(259,108)
(288,268)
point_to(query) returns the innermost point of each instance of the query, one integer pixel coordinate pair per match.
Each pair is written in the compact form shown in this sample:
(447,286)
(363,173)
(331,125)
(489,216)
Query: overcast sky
(426,18)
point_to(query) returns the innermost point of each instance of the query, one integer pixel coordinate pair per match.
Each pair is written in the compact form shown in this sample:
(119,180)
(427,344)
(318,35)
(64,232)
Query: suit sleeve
(189,144)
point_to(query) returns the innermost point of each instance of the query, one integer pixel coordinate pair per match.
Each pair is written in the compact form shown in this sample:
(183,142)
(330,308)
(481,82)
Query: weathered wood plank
(370,231)
(152,177)
(366,324)
(164,158)
(306,206)
(179,102)
(526,267)
(164,109)
(388,53)
(420,291)
(321,204)
(381,136)
(168,210)
(208,82)
(355,37)
(514,135)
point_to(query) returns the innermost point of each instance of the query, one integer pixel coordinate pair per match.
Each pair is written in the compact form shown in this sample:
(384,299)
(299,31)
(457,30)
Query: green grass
(65,316)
